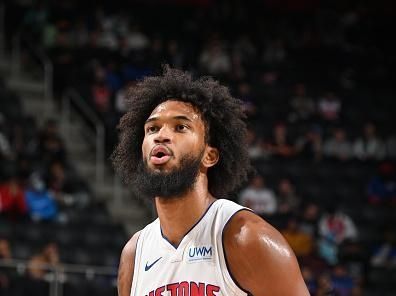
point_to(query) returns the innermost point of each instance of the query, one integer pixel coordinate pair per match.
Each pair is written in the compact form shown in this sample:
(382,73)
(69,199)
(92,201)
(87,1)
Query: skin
(249,241)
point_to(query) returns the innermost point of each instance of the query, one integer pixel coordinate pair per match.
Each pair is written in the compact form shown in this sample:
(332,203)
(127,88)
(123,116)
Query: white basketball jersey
(196,267)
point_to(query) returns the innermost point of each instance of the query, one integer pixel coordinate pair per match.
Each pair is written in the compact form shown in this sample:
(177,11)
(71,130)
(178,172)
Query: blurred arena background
(317,79)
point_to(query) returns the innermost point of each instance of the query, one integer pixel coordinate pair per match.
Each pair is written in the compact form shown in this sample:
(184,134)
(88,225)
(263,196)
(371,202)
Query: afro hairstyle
(222,115)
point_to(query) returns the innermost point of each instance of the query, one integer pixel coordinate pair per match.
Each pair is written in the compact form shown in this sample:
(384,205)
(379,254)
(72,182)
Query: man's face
(173,130)
(174,151)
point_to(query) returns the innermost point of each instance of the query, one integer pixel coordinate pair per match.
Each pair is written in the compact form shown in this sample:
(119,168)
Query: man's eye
(152,129)
(181,127)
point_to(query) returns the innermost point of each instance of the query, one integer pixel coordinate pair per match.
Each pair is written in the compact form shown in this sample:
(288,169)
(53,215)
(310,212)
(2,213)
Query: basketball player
(182,144)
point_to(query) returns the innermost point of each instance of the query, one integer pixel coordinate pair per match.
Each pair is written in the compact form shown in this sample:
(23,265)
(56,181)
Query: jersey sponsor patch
(199,253)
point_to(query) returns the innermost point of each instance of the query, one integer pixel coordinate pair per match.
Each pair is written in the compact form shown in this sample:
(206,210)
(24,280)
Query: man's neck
(177,215)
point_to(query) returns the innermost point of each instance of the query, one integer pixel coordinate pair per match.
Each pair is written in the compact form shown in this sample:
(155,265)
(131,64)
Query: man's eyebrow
(151,119)
(178,117)
(182,117)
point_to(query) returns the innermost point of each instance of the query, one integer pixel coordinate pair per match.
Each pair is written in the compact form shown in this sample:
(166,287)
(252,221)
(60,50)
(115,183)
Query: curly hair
(222,115)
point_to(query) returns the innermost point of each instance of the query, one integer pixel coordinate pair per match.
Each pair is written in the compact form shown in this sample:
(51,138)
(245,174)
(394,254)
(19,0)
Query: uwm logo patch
(199,253)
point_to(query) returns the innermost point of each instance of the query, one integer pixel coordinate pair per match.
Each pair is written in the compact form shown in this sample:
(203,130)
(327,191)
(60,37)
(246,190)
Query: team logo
(200,253)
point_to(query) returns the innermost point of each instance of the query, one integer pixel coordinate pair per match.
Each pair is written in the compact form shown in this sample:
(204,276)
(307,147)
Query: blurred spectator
(5,277)
(324,287)
(288,200)
(302,106)
(39,263)
(107,37)
(5,250)
(238,72)
(245,49)
(51,146)
(342,282)
(39,270)
(275,52)
(329,107)
(310,218)
(258,197)
(280,145)
(335,227)
(310,145)
(137,40)
(244,93)
(12,198)
(309,278)
(66,190)
(244,55)
(314,262)
(56,177)
(369,146)
(382,187)
(120,98)
(328,250)
(214,60)
(300,242)
(100,92)
(255,145)
(384,252)
(40,202)
(338,146)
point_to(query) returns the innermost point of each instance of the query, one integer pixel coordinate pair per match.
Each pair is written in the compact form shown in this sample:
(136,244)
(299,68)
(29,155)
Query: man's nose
(163,136)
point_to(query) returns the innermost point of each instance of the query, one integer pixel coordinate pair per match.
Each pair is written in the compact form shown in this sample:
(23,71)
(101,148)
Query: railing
(42,60)
(57,275)
(72,99)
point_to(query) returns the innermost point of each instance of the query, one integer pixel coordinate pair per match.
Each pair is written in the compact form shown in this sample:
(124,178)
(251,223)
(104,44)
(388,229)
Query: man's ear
(211,157)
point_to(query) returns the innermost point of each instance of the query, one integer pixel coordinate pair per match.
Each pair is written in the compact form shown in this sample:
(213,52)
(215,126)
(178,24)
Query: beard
(171,184)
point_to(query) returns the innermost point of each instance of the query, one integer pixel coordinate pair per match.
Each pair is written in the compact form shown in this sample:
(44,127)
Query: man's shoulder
(259,257)
(248,234)
(127,264)
(245,228)
(130,246)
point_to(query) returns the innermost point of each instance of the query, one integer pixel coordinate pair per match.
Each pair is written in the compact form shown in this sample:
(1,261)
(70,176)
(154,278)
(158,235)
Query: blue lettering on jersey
(199,253)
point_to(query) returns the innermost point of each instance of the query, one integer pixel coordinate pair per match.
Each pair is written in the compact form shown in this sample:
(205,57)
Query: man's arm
(127,264)
(260,259)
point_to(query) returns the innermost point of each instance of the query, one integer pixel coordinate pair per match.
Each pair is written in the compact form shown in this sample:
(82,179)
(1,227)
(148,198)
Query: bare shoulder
(127,264)
(260,259)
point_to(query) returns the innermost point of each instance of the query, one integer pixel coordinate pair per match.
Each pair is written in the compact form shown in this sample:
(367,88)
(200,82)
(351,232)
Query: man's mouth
(160,155)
